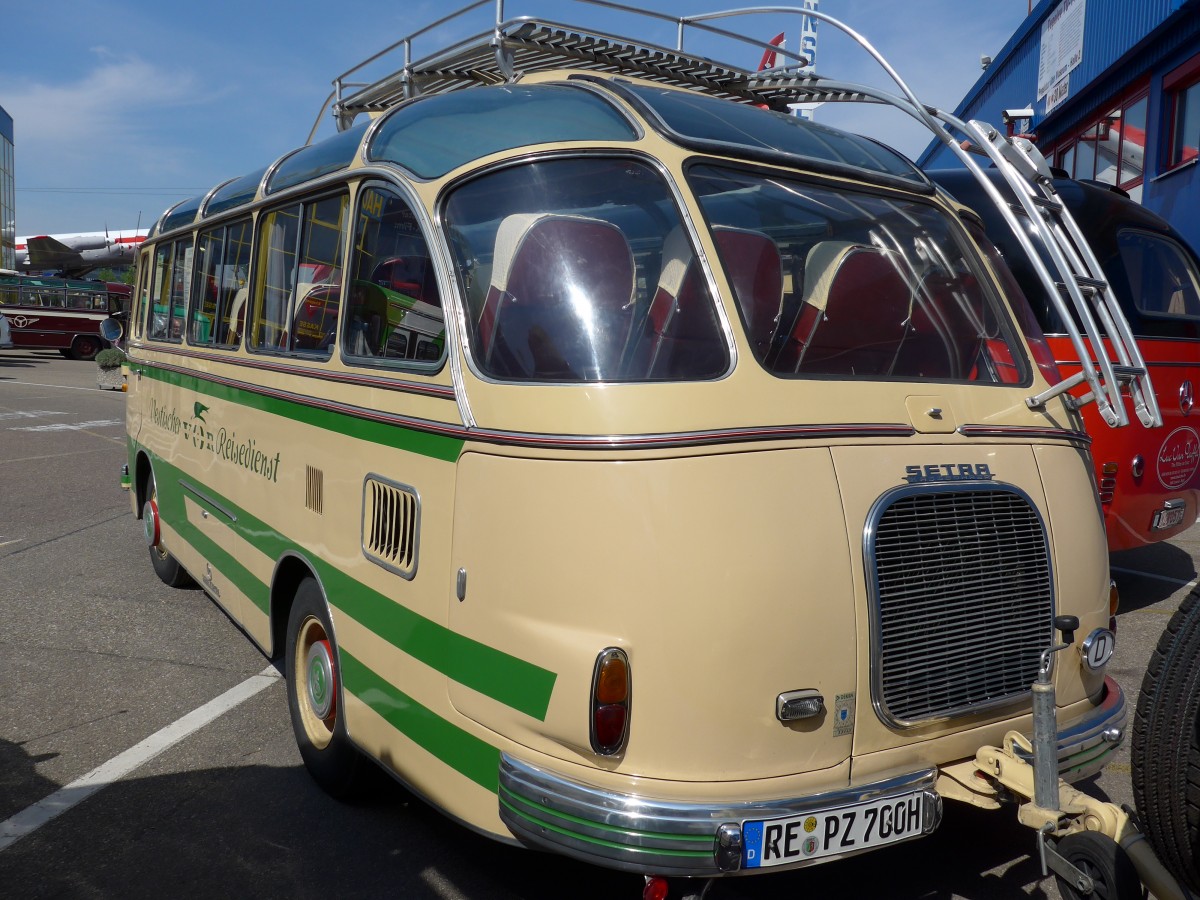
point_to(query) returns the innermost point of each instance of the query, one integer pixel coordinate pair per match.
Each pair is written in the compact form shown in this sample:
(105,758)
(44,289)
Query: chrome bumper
(1085,744)
(663,837)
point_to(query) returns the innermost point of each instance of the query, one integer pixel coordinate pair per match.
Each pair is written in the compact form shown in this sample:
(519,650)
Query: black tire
(166,566)
(1166,745)
(315,698)
(86,348)
(1102,859)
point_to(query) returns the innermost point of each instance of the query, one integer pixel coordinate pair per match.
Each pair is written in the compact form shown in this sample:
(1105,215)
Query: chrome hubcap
(319,679)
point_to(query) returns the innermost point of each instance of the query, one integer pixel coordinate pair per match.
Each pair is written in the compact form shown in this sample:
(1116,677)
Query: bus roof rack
(512,48)
(509,49)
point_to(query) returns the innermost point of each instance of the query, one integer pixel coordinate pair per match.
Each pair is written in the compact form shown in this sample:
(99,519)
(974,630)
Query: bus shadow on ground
(259,831)
(1173,566)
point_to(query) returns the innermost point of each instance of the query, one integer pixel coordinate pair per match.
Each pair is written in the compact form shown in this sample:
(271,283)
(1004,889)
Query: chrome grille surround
(961,600)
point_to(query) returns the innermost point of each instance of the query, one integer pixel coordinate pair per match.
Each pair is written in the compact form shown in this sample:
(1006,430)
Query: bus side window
(1160,277)
(394,309)
(298,287)
(218,297)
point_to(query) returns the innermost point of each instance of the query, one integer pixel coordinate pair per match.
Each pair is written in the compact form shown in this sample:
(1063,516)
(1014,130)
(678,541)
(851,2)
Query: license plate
(1169,516)
(828,832)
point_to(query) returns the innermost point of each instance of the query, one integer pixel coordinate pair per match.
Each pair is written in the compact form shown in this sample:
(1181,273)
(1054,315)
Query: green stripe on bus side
(465,753)
(423,443)
(172,510)
(518,684)
(515,683)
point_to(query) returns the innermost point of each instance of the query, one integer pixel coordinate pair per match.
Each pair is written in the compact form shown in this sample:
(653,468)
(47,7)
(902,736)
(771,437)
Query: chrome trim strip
(209,501)
(664,441)
(437,391)
(665,837)
(1028,433)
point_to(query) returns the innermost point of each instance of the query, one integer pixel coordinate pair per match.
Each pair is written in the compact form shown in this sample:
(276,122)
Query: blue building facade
(1114,86)
(8,195)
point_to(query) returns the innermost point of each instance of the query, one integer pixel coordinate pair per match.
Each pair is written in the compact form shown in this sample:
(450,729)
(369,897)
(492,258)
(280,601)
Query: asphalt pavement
(98,659)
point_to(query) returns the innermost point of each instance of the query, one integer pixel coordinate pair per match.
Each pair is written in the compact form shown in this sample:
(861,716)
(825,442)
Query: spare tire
(1166,745)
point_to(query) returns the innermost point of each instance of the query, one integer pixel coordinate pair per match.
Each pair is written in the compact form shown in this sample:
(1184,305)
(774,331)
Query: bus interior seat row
(561,304)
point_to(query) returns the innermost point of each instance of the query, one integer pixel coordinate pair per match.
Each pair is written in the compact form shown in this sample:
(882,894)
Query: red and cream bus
(1148,479)
(64,314)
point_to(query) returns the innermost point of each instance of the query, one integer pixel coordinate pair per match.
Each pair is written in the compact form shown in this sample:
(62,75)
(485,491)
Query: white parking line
(30,414)
(34,817)
(1178,581)
(61,387)
(69,426)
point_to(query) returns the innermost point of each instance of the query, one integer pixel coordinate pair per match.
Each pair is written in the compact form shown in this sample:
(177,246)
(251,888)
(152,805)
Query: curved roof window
(235,193)
(440,133)
(181,214)
(316,160)
(713,124)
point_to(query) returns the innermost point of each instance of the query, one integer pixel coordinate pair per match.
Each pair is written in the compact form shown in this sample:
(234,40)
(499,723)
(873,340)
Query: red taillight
(610,701)
(655,889)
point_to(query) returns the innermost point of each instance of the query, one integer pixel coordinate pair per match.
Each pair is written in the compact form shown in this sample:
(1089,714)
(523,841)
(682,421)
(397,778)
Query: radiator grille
(391,525)
(964,602)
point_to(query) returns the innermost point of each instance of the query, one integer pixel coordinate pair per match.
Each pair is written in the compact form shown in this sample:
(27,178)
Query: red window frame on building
(1181,90)
(1116,131)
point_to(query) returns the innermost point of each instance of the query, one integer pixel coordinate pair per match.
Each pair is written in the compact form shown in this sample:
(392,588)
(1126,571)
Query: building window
(1110,148)
(1182,89)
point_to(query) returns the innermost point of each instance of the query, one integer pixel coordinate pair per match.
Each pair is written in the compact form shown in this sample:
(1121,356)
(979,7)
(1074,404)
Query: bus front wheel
(315,697)
(85,347)
(166,567)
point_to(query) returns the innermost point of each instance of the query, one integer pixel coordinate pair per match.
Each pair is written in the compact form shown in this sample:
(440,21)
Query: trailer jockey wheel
(1101,859)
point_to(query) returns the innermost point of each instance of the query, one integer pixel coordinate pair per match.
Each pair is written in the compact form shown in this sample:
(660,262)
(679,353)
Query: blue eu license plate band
(832,832)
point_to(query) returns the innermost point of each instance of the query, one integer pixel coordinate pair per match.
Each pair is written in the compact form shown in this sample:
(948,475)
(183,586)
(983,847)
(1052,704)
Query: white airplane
(79,253)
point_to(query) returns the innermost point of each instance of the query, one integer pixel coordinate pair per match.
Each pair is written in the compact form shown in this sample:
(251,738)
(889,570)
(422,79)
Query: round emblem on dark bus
(1178,458)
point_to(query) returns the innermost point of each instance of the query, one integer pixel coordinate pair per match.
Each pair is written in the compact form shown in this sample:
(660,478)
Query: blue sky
(122,109)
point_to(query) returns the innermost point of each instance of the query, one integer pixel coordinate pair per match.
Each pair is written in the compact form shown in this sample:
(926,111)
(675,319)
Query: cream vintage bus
(634,472)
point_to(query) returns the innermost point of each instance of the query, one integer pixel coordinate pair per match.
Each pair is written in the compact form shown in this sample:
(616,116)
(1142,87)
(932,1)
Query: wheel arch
(143,470)
(290,570)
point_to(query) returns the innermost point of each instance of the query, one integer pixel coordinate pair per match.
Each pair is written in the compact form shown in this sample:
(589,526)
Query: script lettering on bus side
(221,442)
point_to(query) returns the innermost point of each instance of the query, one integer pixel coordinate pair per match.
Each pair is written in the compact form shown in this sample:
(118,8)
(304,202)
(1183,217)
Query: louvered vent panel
(314,489)
(964,601)
(391,525)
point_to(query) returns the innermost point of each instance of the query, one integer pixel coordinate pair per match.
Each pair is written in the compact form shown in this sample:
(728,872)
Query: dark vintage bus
(1148,479)
(64,314)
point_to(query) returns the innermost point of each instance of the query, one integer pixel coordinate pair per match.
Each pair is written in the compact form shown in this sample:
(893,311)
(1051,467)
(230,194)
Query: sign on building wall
(1061,50)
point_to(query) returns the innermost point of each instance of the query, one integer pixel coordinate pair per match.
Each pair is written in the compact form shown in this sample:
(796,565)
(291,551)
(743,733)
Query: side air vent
(314,490)
(391,525)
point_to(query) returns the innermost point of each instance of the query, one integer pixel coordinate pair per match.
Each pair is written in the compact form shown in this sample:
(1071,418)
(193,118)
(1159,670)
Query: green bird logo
(198,411)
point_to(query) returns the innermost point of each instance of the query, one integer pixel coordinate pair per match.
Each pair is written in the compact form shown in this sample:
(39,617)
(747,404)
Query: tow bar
(1070,825)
